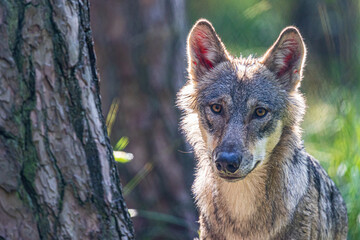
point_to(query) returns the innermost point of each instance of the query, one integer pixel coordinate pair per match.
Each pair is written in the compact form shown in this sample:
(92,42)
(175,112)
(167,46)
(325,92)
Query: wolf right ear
(205,49)
(286,58)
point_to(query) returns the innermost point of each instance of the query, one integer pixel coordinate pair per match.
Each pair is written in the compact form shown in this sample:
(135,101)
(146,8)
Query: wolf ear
(205,49)
(286,58)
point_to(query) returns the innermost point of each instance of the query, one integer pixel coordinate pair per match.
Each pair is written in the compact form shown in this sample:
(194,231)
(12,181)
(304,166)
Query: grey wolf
(254,179)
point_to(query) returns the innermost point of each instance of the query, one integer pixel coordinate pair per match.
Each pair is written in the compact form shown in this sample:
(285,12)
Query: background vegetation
(331,85)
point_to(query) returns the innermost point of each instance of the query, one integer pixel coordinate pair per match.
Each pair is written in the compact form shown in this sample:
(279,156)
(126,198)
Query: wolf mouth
(256,164)
(232,179)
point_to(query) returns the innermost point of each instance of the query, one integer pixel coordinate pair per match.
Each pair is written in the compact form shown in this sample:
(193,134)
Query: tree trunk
(58,177)
(141,51)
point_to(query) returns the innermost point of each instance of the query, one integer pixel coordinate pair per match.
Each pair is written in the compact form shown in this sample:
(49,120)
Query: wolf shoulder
(322,208)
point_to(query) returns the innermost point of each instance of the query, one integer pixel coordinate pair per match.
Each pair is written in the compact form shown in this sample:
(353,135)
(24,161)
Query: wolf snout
(227,162)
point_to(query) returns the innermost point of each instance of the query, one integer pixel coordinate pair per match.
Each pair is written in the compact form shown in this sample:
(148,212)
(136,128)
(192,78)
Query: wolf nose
(227,162)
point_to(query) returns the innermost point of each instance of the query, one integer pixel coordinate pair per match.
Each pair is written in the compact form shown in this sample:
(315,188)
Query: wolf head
(237,110)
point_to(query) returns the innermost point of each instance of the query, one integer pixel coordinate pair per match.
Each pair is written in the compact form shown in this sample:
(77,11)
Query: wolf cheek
(263,147)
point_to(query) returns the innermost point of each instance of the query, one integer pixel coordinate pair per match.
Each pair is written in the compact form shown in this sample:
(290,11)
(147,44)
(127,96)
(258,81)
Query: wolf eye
(260,112)
(216,108)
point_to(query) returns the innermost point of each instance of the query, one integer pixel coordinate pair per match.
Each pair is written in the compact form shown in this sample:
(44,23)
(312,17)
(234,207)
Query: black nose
(227,161)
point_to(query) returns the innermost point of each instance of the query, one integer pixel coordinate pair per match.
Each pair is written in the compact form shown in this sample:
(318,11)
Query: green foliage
(161,217)
(121,144)
(332,135)
(247,26)
(119,155)
(111,116)
(123,157)
(148,167)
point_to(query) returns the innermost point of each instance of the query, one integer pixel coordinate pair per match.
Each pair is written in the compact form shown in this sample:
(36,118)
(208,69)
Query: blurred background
(140,47)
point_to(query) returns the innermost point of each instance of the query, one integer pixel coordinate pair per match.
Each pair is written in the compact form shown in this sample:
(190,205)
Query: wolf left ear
(286,58)
(205,49)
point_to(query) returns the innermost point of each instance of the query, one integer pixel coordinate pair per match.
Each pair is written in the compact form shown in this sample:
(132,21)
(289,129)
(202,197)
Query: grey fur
(278,192)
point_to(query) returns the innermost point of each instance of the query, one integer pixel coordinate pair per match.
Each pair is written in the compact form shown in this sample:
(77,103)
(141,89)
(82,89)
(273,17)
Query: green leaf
(123,157)
(121,144)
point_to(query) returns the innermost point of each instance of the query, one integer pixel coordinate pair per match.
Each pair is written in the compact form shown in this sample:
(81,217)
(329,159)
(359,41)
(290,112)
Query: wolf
(242,116)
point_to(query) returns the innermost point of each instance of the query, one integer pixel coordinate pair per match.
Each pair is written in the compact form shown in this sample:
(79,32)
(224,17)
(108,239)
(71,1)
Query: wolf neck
(260,192)
(242,198)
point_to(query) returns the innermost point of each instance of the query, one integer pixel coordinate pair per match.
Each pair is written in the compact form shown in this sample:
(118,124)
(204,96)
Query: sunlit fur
(288,195)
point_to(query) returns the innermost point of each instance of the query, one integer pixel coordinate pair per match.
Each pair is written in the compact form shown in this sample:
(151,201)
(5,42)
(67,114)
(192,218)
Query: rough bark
(58,177)
(141,51)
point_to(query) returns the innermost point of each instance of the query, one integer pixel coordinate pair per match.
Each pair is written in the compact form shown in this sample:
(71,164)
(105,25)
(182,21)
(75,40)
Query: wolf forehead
(241,81)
